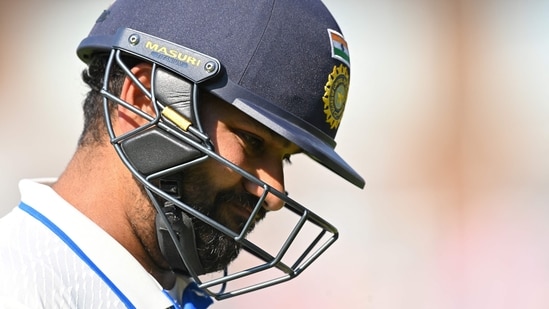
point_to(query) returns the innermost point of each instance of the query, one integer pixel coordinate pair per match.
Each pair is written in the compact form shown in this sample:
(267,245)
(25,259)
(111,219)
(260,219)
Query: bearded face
(230,207)
(223,194)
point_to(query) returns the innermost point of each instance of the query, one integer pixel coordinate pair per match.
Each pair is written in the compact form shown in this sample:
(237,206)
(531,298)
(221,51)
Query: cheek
(226,143)
(230,149)
(227,146)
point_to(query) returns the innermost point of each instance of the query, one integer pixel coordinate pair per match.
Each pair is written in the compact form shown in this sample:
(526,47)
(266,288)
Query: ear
(132,94)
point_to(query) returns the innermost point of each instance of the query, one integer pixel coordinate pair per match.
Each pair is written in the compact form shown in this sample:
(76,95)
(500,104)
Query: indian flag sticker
(340,50)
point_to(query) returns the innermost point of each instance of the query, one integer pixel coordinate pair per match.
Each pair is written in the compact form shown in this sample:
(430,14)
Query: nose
(273,175)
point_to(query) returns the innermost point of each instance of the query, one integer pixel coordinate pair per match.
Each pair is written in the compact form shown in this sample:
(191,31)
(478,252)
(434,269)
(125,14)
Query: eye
(253,144)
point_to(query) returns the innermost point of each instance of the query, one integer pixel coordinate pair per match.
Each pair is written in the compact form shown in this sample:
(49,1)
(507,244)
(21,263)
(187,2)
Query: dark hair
(94,130)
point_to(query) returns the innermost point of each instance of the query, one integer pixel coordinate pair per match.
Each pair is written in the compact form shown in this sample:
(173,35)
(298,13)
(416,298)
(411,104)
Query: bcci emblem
(335,95)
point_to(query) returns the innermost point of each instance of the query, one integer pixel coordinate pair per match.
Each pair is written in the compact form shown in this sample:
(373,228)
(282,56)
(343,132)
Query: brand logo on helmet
(335,95)
(171,55)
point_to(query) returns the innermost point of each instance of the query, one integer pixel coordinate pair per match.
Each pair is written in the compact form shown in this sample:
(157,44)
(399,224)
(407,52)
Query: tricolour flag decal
(340,49)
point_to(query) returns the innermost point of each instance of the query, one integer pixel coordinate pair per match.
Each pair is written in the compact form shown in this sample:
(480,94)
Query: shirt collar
(106,253)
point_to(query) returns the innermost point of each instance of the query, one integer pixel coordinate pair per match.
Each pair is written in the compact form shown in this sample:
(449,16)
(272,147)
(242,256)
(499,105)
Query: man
(193,109)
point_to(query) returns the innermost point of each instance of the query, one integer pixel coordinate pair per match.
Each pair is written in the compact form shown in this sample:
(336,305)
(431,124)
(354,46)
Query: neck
(98,184)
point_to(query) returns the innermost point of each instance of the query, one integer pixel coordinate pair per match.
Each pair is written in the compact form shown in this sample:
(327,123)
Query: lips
(239,215)
(242,211)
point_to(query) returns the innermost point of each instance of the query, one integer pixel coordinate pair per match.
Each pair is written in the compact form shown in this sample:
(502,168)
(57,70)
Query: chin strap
(183,229)
(176,239)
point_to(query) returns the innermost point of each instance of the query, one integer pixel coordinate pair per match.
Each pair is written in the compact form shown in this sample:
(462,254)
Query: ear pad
(154,149)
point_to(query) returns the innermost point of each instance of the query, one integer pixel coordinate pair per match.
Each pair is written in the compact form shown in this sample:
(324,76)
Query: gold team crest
(335,95)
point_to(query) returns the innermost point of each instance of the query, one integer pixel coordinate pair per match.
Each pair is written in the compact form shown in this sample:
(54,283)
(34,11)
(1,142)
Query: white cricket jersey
(52,256)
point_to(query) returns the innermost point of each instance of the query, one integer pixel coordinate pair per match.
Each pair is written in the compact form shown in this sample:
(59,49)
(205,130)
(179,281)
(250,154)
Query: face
(213,188)
(222,193)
